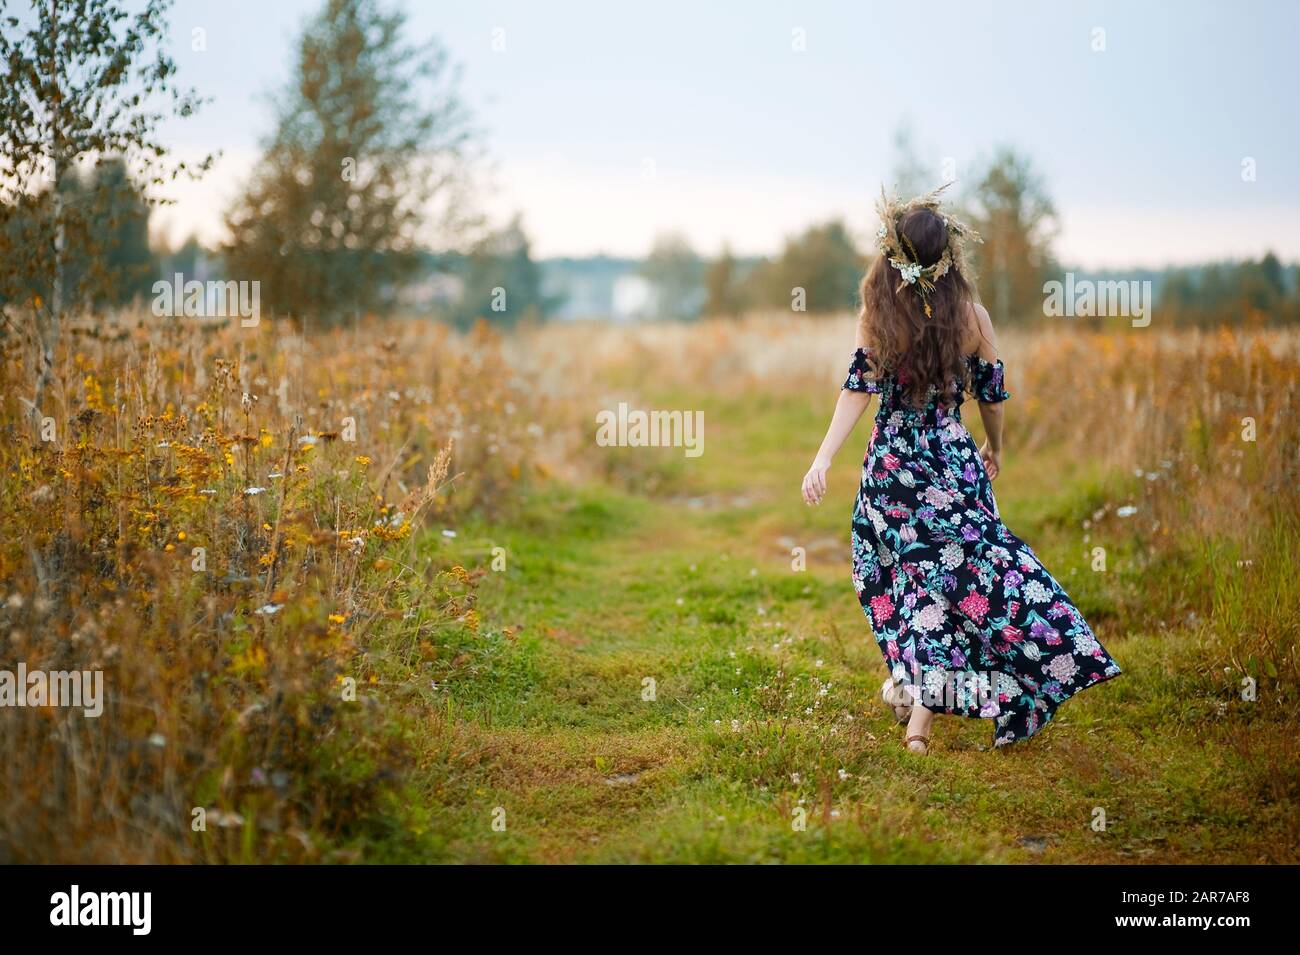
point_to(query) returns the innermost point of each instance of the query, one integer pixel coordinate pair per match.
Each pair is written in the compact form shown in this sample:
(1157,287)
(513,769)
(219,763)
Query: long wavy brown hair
(918,350)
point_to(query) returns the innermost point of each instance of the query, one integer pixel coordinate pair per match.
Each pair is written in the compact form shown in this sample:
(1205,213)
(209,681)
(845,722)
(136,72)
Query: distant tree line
(106,259)
(1249,292)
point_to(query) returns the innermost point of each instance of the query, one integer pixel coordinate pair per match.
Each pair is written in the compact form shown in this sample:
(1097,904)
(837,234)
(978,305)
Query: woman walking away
(969,620)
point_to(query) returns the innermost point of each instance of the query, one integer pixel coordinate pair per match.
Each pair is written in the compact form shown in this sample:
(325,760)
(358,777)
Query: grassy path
(671,689)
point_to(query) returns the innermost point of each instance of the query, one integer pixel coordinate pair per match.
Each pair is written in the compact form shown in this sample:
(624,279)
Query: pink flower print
(882,608)
(890,462)
(974,606)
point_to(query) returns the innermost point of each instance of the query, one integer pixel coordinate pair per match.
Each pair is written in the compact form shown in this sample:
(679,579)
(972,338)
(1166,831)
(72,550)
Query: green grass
(765,711)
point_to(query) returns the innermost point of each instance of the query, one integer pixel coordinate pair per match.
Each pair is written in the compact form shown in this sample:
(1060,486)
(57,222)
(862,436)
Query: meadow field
(377,594)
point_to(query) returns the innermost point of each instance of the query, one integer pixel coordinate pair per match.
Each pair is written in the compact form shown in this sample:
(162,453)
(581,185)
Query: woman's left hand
(992,461)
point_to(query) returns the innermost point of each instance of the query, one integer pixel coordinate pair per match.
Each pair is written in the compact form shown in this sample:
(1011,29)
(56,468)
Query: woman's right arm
(990,412)
(848,409)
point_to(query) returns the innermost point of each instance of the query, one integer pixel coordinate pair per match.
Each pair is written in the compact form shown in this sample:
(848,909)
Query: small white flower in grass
(208,490)
(307,439)
(794,778)
(254,491)
(268,610)
(680,602)
(819,663)
(1128,510)
(226,820)
(274,475)
(158,740)
(163,444)
(735,726)
(447,533)
(843,774)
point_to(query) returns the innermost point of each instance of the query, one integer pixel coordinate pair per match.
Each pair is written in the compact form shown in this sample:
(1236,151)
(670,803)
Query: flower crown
(902,256)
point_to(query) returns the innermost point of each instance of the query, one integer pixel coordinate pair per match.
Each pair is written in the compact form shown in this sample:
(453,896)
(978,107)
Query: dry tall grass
(219,519)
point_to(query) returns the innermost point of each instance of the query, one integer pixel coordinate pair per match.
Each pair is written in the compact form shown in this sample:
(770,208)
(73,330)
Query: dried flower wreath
(898,250)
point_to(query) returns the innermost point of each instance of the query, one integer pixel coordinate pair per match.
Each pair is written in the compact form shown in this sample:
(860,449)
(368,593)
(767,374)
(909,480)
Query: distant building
(633,299)
(597,287)
(433,291)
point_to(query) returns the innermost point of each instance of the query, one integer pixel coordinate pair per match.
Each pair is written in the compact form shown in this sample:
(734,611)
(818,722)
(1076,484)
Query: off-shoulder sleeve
(987,381)
(862,373)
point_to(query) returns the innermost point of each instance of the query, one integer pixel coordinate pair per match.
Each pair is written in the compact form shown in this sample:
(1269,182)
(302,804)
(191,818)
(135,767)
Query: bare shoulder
(980,338)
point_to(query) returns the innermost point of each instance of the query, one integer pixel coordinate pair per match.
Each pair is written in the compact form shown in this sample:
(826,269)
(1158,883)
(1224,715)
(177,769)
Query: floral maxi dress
(970,622)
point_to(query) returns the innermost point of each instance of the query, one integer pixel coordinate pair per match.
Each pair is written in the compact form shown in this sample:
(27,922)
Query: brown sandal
(923,740)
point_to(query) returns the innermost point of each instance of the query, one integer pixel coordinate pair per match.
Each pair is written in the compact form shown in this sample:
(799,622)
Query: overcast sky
(609,123)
